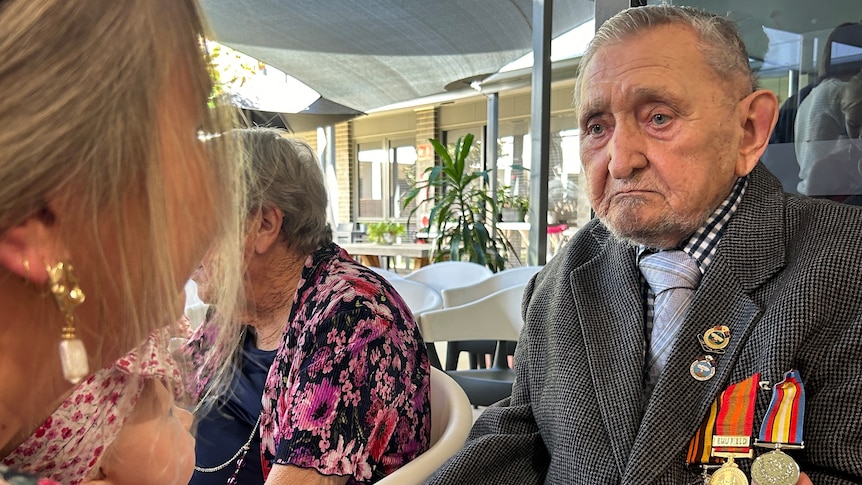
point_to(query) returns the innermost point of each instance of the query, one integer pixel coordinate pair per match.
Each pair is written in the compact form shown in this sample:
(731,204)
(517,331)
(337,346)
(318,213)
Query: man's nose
(626,150)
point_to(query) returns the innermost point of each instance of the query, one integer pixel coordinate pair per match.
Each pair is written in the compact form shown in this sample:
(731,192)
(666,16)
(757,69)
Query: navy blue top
(224,428)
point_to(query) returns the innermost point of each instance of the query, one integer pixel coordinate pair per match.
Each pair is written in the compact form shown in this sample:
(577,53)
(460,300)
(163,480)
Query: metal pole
(491,155)
(540,124)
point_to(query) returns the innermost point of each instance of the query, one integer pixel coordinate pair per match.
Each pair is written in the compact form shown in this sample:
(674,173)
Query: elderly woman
(332,384)
(109,200)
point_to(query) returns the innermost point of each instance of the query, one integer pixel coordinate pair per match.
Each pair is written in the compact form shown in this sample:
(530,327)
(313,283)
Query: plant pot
(509,214)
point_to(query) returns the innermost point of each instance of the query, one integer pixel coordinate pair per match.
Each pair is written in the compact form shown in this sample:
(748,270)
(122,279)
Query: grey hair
(720,42)
(286,173)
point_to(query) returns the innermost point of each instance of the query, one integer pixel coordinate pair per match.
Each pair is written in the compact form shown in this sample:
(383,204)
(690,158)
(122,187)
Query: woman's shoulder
(340,271)
(339,284)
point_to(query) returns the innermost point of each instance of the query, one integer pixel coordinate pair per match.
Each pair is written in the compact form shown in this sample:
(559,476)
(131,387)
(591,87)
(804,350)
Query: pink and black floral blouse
(347,393)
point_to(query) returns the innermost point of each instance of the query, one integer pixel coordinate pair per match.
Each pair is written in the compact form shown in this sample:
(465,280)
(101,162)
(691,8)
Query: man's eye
(596,129)
(660,119)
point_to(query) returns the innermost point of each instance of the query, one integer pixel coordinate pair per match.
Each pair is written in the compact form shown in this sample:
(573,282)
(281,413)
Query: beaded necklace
(239,456)
(241,453)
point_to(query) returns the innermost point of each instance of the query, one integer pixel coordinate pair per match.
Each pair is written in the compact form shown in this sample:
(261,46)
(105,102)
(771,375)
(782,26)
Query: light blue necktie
(673,276)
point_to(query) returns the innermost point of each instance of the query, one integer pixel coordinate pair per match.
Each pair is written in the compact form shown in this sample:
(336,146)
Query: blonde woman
(110,196)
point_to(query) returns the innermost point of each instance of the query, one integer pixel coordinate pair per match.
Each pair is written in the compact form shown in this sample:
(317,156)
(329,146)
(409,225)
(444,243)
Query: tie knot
(669,269)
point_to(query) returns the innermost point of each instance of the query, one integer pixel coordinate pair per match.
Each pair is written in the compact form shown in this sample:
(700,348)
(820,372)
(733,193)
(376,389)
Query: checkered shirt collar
(702,245)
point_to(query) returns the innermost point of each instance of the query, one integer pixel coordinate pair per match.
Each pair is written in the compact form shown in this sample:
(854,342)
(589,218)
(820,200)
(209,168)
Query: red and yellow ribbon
(736,413)
(731,415)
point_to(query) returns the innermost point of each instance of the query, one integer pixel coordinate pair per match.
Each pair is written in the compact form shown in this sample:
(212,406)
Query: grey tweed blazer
(787,280)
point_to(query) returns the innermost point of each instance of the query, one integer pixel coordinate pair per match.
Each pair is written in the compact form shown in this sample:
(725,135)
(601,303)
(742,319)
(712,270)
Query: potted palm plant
(460,208)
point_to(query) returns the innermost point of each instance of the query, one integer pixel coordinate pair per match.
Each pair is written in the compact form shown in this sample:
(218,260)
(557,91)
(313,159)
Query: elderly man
(621,380)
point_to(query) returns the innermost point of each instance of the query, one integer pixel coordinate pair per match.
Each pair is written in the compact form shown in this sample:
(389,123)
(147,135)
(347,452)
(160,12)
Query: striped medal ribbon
(781,428)
(726,433)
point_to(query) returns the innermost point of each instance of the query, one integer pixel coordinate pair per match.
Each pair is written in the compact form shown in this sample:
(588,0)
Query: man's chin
(653,234)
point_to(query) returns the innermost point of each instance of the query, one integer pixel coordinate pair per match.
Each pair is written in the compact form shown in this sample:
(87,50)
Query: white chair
(389,275)
(192,297)
(195,308)
(418,297)
(495,317)
(449,274)
(496,282)
(451,420)
(478,350)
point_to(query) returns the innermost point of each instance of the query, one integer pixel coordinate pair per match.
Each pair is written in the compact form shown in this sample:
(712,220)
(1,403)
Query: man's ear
(758,113)
(268,228)
(27,249)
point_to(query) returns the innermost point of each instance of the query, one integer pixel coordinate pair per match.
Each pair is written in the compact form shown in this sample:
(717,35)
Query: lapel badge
(703,368)
(715,339)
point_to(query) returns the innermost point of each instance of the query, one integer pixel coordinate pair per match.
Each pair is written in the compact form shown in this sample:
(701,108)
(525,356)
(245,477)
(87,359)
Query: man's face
(659,136)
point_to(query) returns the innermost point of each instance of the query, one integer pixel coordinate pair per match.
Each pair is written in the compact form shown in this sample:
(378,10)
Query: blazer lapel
(611,311)
(680,402)
(750,253)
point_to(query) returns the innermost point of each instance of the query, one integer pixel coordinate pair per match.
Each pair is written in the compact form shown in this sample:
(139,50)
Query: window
(816,148)
(386,170)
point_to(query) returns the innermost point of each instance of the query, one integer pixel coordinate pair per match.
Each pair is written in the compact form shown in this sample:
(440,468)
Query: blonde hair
(720,42)
(851,94)
(81,86)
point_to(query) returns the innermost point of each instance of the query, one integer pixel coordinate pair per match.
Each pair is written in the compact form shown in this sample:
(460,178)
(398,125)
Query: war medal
(781,428)
(726,433)
(728,474)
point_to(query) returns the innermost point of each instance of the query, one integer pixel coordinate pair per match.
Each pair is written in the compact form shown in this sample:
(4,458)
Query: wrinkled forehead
(627,70)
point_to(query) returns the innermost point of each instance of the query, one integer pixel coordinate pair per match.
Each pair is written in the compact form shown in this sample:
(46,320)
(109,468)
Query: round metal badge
(703,368)
(717,338)
(774,468)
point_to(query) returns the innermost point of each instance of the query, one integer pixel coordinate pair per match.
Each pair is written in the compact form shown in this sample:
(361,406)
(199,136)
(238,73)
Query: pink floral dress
(347,393)
(69,445)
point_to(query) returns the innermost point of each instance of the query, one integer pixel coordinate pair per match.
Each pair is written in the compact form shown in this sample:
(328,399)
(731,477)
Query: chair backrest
(449,274)
(496,282)
(451,420)
(343,232)
(494,317)
(389,275)
(195,308)
(419,298)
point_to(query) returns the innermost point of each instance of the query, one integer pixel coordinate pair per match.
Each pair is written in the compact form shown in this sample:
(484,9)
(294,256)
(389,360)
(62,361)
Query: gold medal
(703,368)
(774,468)
(728,474)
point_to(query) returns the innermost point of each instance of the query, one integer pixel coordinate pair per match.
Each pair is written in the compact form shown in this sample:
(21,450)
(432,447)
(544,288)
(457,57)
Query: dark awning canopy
(366,54)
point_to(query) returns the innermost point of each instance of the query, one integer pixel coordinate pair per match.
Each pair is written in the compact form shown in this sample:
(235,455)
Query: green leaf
(441,151)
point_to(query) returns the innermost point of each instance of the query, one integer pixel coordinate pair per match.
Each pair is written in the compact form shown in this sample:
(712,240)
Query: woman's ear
(268,228)
(27,249)
(758,113)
